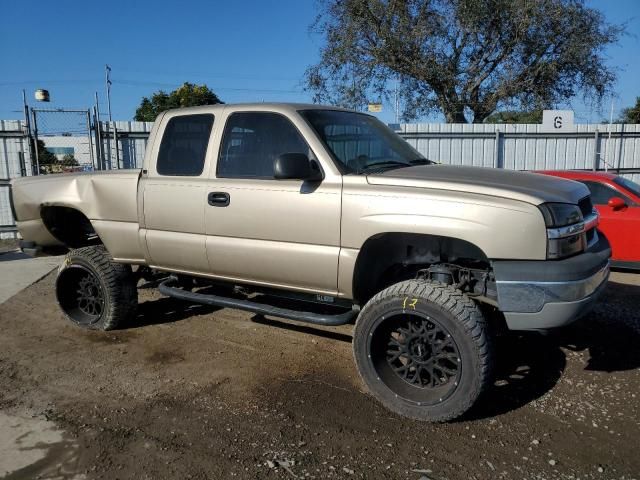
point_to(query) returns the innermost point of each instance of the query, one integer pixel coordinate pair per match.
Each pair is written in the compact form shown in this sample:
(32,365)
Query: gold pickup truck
(325,215)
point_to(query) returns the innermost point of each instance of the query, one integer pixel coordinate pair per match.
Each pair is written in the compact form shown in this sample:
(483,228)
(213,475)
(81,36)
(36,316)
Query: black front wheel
(95,292)
(423,350)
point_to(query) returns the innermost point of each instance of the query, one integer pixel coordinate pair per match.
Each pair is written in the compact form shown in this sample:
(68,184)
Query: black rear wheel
(95,292)
(81,296)
(423,350)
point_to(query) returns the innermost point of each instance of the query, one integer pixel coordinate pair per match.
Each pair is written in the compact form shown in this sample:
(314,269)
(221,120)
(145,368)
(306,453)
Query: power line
(138,83)
(207,75)
(45,81)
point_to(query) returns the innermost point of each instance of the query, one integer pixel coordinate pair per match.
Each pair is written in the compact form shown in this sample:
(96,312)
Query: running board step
(167,289)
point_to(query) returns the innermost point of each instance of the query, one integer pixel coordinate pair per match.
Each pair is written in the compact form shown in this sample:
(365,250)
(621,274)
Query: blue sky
(245,51)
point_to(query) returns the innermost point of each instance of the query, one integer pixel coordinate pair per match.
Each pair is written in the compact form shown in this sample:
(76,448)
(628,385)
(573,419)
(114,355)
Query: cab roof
(260,106)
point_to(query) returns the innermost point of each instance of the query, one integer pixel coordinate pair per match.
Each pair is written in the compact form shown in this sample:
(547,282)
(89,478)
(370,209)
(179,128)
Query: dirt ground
(191,392)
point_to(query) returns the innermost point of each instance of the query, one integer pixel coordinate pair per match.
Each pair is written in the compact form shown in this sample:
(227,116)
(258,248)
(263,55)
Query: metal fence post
(35,135)
(497,158)
(96,124)
(27,128)
(93,162)
(621,146)
(8,165)
(115,145)
(23,165)
(99,138)
(107,147)
(596,150)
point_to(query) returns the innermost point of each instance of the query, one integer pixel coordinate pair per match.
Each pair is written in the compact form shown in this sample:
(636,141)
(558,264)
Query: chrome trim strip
(592,220)
(530,297)
(568,231)
(587,224)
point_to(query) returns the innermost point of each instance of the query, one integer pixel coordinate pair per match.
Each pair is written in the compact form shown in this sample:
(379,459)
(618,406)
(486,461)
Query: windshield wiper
(388,163)
(421,161)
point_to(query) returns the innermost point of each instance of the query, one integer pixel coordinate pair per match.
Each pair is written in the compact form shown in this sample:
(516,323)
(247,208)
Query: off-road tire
(113,283)
(433,304)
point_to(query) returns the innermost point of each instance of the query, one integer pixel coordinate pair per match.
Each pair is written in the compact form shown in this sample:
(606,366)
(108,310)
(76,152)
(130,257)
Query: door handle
(219,199)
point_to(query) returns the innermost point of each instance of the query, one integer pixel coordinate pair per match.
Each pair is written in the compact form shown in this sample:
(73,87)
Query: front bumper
(539,295)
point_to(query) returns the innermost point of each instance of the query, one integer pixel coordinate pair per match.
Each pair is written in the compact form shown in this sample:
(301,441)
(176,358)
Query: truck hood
(524,186)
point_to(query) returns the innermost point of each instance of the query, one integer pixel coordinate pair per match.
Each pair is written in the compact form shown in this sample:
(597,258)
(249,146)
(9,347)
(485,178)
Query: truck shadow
(167,310)
(13,255)
(611,333)
(530,365)
(306,329)
(527,367)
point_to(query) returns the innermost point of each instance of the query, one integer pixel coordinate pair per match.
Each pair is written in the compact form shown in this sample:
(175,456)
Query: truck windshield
(361,143)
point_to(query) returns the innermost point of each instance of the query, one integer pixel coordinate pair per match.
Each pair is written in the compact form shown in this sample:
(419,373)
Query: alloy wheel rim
(81,295)
(415,357)
(89,296)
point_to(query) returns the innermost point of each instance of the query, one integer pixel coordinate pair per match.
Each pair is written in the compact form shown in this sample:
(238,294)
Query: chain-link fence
(63,139)
(124,143)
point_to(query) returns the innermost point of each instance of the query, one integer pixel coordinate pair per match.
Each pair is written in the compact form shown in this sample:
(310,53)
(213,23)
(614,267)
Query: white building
(78,146)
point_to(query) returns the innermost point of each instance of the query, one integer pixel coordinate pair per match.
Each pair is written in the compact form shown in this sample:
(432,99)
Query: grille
(586,207)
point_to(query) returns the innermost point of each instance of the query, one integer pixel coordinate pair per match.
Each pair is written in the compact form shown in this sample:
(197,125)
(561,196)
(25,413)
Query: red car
(618,202)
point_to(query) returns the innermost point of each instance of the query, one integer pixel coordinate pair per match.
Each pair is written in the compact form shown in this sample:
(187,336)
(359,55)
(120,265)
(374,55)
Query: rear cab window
(184,145)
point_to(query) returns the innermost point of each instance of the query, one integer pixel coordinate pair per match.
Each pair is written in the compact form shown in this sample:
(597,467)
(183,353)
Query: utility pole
(25,108)
(33,147)
(99,146)
(107,75)
(107,79)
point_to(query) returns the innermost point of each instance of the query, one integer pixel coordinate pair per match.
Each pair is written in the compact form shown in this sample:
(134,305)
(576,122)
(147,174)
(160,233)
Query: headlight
(560,214)
(565,229)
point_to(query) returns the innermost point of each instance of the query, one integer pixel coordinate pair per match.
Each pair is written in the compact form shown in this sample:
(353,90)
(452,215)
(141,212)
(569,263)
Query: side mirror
(616,203)
(295,166)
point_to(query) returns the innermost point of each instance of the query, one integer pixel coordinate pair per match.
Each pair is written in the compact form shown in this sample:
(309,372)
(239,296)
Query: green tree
(514,116)
(45,157)
(69,160)
(188,95)
(464,58)
(631,114)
